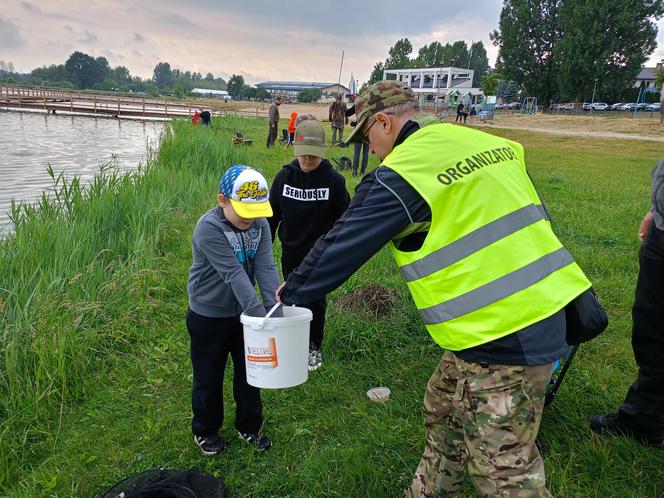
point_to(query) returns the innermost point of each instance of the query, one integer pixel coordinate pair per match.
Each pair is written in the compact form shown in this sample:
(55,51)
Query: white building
(437,82)
(290,89)
(204,92)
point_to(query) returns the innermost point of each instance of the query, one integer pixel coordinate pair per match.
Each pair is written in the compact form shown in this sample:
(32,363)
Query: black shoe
(258,441)
(603,424)
(210,445)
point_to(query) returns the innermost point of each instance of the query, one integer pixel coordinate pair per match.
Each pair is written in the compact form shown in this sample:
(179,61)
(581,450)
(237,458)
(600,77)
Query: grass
(95,377)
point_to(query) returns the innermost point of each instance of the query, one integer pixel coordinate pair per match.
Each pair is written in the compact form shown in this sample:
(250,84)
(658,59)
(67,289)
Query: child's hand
(645,226)
(277,297)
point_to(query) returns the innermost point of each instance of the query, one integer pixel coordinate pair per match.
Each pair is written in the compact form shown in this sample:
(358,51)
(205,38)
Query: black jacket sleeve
(383,205)
(341,200)
(275,202)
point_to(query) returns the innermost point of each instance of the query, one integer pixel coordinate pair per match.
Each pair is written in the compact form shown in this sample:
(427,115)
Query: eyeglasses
(365,134)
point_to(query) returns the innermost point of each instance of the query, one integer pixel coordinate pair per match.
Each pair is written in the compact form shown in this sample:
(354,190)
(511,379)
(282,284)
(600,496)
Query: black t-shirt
(205,117)
(306,205)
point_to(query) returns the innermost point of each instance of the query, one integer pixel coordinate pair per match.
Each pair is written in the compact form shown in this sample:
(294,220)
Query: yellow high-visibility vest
(490,264)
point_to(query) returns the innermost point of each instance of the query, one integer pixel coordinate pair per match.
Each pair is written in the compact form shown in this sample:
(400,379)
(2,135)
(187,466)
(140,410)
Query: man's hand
(644,228)
(277,297)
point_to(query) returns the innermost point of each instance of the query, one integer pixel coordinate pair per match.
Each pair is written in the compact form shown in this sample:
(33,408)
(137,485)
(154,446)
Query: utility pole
(592,101)
(340,66)
(470,54)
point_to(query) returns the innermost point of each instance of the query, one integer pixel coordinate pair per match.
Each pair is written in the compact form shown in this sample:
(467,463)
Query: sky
(299,40)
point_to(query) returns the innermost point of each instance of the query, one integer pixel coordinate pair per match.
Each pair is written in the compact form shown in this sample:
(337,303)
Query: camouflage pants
(486,417)
(340,128)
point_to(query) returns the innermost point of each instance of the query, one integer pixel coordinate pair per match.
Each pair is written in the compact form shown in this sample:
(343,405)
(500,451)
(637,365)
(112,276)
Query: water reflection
(77,145)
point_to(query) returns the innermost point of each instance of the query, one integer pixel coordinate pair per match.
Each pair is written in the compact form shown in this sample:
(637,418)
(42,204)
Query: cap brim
(309,150)
(356,136)
(252,209)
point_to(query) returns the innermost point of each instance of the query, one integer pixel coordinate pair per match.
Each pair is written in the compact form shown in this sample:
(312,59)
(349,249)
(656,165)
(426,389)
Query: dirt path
(573,132)
(613,126)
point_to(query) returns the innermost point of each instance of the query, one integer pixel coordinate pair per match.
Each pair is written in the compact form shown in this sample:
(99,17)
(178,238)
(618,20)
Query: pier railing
(118,106)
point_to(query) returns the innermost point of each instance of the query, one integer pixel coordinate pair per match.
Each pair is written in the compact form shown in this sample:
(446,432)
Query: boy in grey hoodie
(232,250)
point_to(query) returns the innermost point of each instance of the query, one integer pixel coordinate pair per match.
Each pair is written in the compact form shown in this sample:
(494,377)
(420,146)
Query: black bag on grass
(169,483)
(586,318)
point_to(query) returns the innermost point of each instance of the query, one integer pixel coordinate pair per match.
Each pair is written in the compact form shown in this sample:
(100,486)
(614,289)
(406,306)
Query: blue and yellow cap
(247,190)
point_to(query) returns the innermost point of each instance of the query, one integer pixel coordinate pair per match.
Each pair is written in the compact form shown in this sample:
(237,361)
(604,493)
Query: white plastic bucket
(276,355)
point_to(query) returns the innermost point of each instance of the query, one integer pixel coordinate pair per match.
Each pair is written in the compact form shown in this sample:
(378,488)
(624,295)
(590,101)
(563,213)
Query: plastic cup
(378,394)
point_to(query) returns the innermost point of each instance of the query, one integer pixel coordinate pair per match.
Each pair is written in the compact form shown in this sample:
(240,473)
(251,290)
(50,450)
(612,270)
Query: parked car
(617,106)
(653,107)
(628,107)
(641,106)
(570,106)
(586,106)
(599,106)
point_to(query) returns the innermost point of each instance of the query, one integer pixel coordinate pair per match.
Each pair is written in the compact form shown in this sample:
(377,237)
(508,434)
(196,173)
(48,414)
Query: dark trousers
(271,134)
(356,157)
(643,408)
(212,339)
(290,259)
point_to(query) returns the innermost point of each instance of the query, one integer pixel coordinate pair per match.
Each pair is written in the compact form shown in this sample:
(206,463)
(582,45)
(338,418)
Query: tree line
(85,72)
(566,50)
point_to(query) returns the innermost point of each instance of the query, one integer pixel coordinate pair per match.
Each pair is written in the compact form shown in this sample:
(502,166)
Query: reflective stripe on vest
(490,264)
(498,289)
(473,242)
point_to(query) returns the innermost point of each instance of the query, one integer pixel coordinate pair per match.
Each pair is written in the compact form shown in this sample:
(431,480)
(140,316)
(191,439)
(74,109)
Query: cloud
(88,38)
(139,38)
(161,16)
(10,37)
(69,29)
(113,56)
(136,53)
(32,8)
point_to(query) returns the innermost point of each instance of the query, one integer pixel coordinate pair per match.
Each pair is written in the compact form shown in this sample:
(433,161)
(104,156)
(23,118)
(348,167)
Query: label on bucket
(264,356)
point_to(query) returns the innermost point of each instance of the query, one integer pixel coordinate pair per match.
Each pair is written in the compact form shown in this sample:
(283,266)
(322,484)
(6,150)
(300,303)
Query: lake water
(77,145)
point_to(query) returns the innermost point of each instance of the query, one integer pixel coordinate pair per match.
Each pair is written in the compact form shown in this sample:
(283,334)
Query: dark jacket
(306,205)
(383,206)
(273,115)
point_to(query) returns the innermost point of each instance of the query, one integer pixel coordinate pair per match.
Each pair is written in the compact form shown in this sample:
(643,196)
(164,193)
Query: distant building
(217,94)
(289,89)
(646,78)
(437,82)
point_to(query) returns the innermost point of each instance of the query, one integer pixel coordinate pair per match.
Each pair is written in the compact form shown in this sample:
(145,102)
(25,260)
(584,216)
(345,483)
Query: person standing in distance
(273,122)
(489,278)
(337,115)
(308,197)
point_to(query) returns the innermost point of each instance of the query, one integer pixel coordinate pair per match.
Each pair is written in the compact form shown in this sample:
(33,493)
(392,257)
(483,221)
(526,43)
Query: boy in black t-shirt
(307,198)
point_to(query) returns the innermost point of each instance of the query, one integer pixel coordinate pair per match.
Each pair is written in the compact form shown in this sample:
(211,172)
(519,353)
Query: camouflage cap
(376,98)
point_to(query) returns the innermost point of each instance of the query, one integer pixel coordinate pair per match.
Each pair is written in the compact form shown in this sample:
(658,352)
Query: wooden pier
(116,106)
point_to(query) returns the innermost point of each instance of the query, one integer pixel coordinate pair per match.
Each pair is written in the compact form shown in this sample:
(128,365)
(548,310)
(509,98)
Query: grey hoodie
(227,263)
(658,194)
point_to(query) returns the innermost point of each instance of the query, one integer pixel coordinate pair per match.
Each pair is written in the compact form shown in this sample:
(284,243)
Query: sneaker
(315,358)
(210,445)
(603,424)
(258,441)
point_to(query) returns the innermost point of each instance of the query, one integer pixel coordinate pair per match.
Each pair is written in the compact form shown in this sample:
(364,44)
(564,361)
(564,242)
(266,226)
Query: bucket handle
(269,314)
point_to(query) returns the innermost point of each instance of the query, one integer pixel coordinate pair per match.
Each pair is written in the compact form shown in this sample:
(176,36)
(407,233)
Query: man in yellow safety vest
(487,274)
